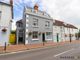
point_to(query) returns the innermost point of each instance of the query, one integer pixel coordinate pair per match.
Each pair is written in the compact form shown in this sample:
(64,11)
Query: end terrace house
(58,28)
(36,26)
(5,22)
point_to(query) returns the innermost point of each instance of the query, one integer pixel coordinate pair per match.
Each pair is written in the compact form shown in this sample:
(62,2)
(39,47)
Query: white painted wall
(57,29)
(70,31)
(67,33)
(5,23)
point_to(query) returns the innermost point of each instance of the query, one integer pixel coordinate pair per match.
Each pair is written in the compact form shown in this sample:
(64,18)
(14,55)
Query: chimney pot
(36,7)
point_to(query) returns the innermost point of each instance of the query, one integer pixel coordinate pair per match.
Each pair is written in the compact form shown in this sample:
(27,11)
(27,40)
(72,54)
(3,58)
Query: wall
(41,28)
(5,23)
(60,31)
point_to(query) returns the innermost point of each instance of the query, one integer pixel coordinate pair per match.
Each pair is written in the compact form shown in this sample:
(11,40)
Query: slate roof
(5,3)
(58,23)
(20,21)
(61,23)
(70,26)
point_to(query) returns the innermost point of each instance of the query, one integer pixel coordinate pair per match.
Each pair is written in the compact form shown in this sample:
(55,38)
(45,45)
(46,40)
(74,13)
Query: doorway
(21,37)
(20,41)
(57,37)
(43,37)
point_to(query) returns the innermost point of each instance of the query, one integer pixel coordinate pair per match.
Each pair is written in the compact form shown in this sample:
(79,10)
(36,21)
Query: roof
(20,21)
(38,12)
(58,23)
(70,26)
(61,23)
(5,3)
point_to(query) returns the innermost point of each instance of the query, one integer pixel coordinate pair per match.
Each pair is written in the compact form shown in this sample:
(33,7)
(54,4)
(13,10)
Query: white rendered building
(5,22)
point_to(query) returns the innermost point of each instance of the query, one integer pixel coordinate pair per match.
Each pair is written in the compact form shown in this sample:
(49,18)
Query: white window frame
(46,36)
(35,21)
(47,24)
(34,34)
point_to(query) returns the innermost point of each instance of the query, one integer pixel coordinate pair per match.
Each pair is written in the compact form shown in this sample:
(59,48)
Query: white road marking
(63,52)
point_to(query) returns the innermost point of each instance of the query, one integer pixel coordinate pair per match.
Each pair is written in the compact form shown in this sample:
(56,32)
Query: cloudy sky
(64,10)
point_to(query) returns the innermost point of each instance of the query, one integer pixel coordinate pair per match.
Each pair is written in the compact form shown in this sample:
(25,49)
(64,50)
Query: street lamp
(70,36)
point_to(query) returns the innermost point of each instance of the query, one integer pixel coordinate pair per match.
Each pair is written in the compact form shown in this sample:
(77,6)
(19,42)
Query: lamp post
(53,29)
(70,36)
(65,24)
(57,37)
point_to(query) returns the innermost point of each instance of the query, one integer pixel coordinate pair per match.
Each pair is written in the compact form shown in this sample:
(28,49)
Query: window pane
(47,23)
(48,35)
(35,22)
(35,34)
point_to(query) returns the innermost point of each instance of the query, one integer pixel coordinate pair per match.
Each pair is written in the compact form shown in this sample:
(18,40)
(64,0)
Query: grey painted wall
(40,28)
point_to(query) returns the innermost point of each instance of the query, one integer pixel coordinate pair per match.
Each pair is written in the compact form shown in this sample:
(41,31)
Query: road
(70,51)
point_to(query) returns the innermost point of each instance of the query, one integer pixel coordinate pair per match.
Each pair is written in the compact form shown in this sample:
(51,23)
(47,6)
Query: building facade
(5,22)
(37,26)
(19,32)
(58,31)
(70,32)
(63,31)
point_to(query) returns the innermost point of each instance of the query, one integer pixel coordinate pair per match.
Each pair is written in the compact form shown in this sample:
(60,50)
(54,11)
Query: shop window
(35,35)
(48,35)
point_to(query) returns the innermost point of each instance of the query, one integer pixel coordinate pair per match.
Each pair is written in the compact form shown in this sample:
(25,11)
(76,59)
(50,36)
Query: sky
(64,10)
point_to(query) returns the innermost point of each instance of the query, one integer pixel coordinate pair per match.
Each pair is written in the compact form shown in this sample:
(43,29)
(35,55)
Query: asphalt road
(69,51)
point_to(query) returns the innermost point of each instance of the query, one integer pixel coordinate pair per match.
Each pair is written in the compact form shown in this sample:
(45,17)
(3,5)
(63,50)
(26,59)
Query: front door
(21,37)
(43,37)
(20,40)
(57,37)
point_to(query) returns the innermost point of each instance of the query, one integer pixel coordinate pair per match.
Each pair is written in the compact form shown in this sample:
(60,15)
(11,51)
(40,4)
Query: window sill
(47,27)
(35,26)
(35,39)
(48,39)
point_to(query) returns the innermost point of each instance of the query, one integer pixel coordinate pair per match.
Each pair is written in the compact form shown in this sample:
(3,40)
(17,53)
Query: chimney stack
(11,3)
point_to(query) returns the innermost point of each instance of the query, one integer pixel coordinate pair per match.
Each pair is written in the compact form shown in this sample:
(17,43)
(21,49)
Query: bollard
(70,38)
(5,47)
(43,43)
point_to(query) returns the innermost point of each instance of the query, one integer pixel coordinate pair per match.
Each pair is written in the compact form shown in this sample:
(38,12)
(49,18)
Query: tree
(13,32)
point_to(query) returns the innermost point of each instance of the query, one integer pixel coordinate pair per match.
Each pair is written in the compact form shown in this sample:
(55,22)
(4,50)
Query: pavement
(67,51)
(22,47)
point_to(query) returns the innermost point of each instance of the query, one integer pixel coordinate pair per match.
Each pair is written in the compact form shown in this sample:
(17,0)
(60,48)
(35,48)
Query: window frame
(47,35)
(47,24)
(35,22)
(35,35)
